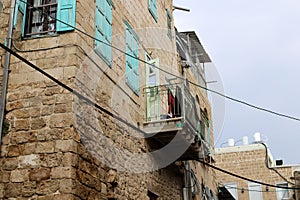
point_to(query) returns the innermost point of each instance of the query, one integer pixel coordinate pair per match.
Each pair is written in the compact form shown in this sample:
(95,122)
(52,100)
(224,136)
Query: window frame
(258,192)
(279,190)
(65,18)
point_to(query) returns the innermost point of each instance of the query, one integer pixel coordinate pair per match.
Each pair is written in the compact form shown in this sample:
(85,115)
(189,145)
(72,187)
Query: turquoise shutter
(103,30)
(16,13)
(24,17)
(20,6)
(153,8)
(66,12)
(208,132)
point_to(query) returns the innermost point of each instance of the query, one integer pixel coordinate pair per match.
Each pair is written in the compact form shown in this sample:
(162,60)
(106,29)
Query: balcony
(172,117)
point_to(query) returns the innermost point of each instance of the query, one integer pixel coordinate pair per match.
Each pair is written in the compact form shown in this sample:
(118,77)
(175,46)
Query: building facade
(102,126)
(254,161)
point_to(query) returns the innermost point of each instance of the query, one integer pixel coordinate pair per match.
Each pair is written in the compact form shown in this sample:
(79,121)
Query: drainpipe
(6,67)
(187,188)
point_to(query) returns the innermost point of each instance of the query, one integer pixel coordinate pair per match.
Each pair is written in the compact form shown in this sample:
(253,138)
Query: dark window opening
(40,17)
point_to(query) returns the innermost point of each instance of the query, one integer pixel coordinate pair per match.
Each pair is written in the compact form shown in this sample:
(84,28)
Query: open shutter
(24,6)
(20,6)
(66,12)
(16,13)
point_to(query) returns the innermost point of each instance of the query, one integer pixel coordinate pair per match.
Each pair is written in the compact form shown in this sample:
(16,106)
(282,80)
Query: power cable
(246,189)
(245,178)
(90,102)
(272,168)
(169,73)
(97,106)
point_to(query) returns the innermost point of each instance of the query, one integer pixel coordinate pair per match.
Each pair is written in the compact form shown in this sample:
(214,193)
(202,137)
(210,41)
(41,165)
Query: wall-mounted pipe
(6,67)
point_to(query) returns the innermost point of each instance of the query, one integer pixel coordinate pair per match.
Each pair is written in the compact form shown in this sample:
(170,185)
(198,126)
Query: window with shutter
(103,30)
(169,24)
(44,17)
(152,6)
(132,63)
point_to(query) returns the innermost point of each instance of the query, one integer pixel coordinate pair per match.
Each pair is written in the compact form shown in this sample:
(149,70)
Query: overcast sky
(255,46)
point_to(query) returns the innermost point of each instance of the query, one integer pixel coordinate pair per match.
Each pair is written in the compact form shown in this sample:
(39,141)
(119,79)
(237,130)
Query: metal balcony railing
(167,102)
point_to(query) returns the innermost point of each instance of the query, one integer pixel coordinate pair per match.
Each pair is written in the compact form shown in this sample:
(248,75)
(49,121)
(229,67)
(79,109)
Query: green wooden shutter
(153,8)
(103,30)
(20,6)
(66,12)
(16,13)
(24,17)
(132,63)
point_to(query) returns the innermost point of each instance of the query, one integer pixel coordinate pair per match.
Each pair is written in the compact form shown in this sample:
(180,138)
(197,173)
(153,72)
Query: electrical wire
(246,189)
(245,178)
(272,168)
(86,99)
(83,51)
(169,73)
(97,106)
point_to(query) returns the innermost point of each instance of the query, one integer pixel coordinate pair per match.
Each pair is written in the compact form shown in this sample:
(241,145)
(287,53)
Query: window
(205,126)
(44,17)
(132,63)
(282,194)
(103,29)
(153,8)
(255,191)
(169,24)
(232,188)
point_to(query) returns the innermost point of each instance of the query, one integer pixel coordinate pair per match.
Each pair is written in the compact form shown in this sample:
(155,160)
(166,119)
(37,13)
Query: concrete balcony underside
(180,134)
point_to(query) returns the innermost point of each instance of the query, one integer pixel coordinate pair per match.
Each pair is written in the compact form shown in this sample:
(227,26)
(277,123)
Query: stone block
(65,146)
(28,188)
(29,161)
(62,172)
(66,185)
(45,147)
(61,120)
(19,175)
(39,174)
(14,105)
(12,190)
(37,123)
(47,187)
(9,163)
(51,160)
(15,150)
(70,159)
(23,137)
(22,125)
(29,148)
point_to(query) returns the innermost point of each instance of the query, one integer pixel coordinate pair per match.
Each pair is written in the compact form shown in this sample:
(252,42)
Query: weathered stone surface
(65,146)
(37,123)
(15,150)
(9,163)
(19,175)
(22,125)
(28,161)
(12,190)
(28,188)
(45,147)
(62,172)
(66,185)
(61,120)
(39,174)
(47,187)
(23,137)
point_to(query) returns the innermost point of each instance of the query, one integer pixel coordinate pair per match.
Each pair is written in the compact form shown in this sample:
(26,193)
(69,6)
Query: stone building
(254,161)
(117,120)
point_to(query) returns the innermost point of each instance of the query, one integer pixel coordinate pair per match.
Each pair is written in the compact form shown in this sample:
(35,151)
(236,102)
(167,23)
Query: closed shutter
(153,8)
(66,12)
(132,63)
(103,30)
